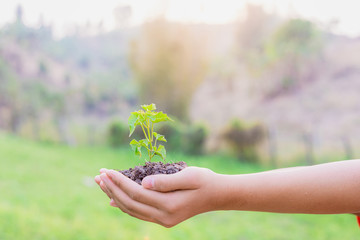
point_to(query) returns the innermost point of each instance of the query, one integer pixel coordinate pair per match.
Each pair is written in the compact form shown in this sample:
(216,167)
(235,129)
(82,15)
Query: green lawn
(47,192)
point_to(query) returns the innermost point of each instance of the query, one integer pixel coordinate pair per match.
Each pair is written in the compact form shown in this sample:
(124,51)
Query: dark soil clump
(138,173)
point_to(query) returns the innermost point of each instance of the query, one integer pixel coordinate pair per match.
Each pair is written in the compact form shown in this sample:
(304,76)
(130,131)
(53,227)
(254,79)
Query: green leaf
(133,122)
(136,147)
(161,152)
(162,138)
(159,137)
(134,142)
(161,117)
(137,151)
(150,107)
(151,116)
(144,142)
(146,118)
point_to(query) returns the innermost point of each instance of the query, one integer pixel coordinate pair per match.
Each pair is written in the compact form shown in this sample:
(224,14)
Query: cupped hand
(163,199)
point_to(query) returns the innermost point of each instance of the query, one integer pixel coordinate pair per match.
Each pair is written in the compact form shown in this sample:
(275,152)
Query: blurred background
(253,85)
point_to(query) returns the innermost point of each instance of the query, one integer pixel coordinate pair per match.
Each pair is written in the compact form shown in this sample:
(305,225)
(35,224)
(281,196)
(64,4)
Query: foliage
(185,138)
(117,134)
(174,134)
(295,38)
(244,138)
(195,137)
(30,96)
(146,119)
(37,85)
(169,63)
(25,101)
(292,51)
(279,54)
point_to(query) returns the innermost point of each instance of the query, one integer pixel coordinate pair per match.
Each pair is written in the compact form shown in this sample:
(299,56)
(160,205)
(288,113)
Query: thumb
(171,182)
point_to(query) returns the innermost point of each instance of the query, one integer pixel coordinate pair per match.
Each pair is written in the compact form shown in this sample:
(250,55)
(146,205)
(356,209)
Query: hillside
(62,84)
(327,106)
(74,86)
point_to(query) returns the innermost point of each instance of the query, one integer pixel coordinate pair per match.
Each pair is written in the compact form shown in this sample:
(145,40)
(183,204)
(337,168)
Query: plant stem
(143,130)
(152,133)
(148,128)
(150,138)
(149,155)
(149,150)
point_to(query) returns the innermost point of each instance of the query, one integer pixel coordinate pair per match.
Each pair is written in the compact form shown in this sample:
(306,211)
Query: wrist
(228,192)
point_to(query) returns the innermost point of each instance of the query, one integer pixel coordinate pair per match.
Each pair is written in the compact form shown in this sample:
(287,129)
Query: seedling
(146,118)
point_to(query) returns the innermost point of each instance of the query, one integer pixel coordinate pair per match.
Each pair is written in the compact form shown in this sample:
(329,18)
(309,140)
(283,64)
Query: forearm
(325,188)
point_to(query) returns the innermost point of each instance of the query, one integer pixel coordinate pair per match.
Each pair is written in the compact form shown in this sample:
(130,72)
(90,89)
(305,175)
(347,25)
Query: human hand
(163,199)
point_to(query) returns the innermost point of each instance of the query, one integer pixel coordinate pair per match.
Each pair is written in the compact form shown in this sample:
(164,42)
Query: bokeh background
(252,85)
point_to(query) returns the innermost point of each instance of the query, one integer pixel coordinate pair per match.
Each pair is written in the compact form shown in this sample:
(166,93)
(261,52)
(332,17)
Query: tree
(296,38)
(168,61)
(291,49)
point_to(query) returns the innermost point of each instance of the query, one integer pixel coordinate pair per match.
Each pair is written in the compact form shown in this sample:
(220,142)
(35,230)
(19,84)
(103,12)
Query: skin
(331,188)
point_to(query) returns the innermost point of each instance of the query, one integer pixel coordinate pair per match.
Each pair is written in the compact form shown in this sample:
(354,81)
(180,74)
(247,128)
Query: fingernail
(97,178)
(148,182)
(102,170)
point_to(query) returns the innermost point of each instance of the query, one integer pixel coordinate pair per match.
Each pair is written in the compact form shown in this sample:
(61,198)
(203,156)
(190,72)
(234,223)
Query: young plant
(146,119)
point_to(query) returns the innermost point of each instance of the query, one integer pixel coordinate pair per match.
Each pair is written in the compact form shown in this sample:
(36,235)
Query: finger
(113,203)
(97,179)
(132,214)
(135,191)
(104,189)
(118,205)
(101,185)
(125,210)
(186,179)
(128,205)
(102,170)
(138,216)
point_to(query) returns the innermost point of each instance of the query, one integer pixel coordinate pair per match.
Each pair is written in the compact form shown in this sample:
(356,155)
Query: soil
(138,173)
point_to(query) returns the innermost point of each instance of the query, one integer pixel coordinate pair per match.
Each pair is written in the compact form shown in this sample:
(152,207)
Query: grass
(47,192)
